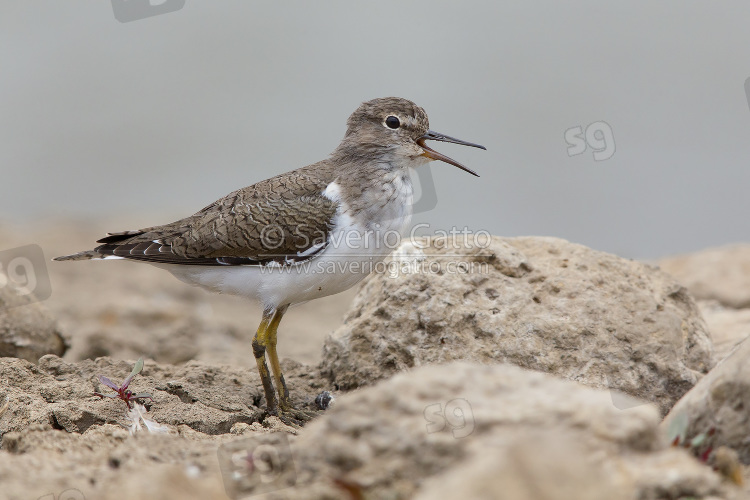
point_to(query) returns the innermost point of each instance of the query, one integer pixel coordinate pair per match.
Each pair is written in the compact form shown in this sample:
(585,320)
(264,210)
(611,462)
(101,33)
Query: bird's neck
(362,154)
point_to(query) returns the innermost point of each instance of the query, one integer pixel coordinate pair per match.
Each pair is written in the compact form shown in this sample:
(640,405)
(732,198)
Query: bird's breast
(382,208)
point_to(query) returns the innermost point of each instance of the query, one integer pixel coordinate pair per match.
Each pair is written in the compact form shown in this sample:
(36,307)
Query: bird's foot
(292,416)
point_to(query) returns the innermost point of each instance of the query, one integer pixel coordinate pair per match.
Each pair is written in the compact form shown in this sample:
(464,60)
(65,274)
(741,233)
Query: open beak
(434,155)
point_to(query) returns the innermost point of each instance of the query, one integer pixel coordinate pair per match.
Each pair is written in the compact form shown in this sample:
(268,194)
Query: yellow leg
(273,358)
(260,342)
(265,342)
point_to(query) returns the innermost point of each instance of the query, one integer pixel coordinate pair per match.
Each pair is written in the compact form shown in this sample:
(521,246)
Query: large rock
(718,406)
(721,274)
(478,432)
(27,330)
(540,303)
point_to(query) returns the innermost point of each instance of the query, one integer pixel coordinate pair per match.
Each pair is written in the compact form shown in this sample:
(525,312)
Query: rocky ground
(529,368)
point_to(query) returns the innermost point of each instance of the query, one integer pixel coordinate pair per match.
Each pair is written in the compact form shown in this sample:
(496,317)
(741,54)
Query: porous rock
(540,303)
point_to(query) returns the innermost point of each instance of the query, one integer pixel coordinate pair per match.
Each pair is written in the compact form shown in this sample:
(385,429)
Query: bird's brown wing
(267,223)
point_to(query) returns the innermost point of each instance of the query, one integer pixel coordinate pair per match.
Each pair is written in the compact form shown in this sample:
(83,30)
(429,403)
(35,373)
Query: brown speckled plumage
(272,220)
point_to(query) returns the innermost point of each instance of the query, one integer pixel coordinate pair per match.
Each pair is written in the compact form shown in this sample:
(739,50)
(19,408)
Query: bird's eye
(392,122)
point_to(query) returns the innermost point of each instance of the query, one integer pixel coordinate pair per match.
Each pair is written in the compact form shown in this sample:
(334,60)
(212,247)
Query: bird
(301,235)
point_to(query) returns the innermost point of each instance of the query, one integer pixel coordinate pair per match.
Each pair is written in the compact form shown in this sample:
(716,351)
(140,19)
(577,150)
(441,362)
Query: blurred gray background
(150,120)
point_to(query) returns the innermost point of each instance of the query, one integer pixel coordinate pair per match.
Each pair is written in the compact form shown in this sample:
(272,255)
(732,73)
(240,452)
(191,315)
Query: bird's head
(391,129)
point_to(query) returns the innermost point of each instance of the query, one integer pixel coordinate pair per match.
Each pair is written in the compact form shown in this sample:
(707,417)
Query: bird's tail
(87,255)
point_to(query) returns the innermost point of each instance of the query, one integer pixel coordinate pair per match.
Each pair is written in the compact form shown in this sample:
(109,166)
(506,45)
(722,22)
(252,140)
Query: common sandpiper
(298,236)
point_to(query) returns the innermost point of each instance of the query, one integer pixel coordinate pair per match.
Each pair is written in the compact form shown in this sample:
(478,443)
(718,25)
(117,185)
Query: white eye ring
(392,122)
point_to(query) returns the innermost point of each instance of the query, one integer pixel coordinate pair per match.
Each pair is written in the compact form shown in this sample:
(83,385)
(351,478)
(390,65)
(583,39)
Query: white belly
(334,270)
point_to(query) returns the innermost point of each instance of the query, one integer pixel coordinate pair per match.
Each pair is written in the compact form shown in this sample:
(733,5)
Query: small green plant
(122,391)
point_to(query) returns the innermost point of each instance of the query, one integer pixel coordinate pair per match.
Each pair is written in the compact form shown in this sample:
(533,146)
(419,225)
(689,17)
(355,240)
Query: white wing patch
(333,192)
